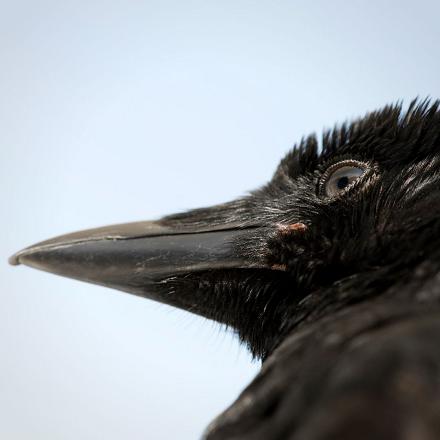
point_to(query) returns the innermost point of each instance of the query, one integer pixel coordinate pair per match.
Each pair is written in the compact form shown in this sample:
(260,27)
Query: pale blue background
(114,111)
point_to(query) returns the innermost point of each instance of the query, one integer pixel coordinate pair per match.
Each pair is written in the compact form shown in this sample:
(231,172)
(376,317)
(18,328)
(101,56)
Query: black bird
(330,274)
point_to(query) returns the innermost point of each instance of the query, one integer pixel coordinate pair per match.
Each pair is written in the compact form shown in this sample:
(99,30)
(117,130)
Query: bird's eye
(339,177)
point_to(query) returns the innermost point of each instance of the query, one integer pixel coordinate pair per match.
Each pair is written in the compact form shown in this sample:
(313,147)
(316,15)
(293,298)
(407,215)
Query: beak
(137,257)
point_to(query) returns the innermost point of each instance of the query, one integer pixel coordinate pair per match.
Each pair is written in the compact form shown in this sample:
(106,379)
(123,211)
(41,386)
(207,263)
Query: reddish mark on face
(294,227)
(282,267)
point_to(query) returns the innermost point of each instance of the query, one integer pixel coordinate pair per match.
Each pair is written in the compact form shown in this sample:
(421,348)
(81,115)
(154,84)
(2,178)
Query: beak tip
(21,257)
(14,260)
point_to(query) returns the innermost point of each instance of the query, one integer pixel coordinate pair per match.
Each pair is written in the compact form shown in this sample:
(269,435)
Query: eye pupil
(342,182)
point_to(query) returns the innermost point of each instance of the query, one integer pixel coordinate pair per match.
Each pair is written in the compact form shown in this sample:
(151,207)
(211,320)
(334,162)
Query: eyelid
(335,166)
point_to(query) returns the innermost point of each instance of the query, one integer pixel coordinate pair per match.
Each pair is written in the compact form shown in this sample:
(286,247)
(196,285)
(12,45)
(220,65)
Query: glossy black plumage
(360,356)
(339,296)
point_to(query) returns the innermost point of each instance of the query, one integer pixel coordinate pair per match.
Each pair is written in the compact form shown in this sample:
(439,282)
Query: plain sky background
(115,111)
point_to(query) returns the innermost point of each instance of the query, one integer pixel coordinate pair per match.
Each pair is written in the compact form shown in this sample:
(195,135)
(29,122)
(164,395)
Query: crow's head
(333,227)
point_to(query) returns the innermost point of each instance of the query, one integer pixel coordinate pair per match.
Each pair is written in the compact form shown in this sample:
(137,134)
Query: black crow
(329,274)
